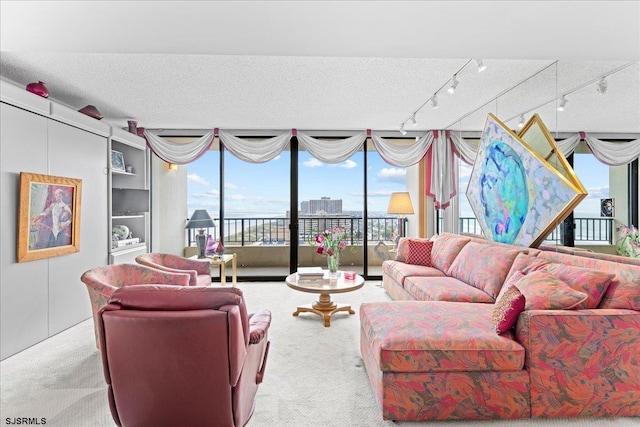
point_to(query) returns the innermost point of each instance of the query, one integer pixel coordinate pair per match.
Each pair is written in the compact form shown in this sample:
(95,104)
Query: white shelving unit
(136,217)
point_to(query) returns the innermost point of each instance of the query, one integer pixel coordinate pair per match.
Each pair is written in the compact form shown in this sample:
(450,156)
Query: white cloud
(349,164)
(230,186)
(313,163)
(197,179)
(598,192)
(392,175)
(236,197)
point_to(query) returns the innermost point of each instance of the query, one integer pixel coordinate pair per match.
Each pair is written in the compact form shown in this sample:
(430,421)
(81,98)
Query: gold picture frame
(517,195)
(49,216)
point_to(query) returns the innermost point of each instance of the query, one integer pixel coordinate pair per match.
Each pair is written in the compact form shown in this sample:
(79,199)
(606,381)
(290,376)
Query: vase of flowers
(331,243)
(628,243)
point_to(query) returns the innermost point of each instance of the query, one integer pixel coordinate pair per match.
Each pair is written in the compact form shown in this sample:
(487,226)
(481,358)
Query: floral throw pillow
(420,252)
(507,309)
(544,291)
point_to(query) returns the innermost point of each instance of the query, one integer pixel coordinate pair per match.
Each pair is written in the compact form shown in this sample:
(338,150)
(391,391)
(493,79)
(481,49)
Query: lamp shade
(200,219)
(400,204)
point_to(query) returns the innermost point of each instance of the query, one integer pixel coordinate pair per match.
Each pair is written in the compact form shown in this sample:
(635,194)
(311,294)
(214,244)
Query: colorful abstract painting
(517,196)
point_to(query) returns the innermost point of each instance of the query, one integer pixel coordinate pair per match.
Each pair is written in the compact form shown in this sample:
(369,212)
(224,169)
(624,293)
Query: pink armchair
(188,356)
(103,281)
(198,269)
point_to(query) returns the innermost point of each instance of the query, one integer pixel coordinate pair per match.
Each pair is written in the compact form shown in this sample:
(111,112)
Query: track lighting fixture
(563,102)
(453,85)
(402,131)
(521,122)
(413,119)
(434,102)
(480,65)
(601,86)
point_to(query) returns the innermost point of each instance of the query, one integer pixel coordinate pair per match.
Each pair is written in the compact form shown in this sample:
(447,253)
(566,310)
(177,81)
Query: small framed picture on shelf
(117,161)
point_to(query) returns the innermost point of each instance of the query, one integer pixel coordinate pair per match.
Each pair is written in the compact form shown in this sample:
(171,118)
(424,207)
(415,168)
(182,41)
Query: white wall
(43,297)
(168,207)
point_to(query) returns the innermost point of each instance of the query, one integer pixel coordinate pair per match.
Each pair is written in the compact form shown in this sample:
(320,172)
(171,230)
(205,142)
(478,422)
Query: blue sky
(263,189)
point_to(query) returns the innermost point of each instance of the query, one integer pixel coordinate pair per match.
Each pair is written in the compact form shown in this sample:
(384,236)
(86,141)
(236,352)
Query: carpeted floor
(314,376)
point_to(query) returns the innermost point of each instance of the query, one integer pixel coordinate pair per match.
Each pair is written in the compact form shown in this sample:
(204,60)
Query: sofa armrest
(259,323)
(582,362)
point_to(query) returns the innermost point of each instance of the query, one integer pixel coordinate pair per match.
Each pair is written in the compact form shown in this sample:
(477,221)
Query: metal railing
(276,231)
(587,230)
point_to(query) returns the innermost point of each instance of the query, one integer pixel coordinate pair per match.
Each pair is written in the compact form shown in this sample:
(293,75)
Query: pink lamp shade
(39,89)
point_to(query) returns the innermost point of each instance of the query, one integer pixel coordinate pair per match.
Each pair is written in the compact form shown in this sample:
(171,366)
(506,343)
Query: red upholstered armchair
(182,356)
(198,269)
(103,281)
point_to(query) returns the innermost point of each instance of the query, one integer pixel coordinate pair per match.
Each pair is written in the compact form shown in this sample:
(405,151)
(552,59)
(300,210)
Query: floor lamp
(400,204)
(200,220)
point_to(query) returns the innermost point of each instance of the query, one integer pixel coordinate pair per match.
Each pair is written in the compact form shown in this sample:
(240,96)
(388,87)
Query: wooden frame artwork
(49,216)
(517,195)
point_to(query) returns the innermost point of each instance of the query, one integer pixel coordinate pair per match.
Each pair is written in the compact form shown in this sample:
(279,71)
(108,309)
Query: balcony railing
(276,231)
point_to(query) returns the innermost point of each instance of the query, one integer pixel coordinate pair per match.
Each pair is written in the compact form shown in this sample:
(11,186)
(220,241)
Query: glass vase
(333,262)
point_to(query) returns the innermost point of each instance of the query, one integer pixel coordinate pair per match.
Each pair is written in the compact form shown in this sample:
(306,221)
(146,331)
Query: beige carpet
(314,375)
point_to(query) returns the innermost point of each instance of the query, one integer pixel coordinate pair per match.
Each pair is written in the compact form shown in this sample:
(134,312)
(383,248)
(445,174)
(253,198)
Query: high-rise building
(322,206)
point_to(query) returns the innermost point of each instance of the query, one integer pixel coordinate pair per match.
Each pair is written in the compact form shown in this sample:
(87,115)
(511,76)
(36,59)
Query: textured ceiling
(330,65)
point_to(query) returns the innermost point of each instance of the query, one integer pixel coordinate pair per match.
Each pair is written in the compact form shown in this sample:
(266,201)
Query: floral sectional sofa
(434,353)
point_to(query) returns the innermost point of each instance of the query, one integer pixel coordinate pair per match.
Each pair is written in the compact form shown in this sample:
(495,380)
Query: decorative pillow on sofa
(402,249)
(592,282)
(420,252)
(544,291)
(507,309)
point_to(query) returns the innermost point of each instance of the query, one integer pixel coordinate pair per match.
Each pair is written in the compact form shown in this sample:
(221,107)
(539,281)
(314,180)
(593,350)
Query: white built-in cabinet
(129,198)
(43,297)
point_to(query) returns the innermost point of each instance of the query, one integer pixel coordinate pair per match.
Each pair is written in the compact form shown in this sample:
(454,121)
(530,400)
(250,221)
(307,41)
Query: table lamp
(200,220)
(400,204)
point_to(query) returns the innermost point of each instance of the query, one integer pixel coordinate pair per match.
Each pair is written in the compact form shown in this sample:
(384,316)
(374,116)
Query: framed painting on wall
(49,216)
(517,195)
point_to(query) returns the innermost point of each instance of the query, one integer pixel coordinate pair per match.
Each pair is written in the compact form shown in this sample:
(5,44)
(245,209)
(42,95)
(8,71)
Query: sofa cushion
(444,289)
(399,271)
(544,291)
(484,266)
(588,280)
(435,336)
(420,252)
(623,291)
(446,248)
(507,309)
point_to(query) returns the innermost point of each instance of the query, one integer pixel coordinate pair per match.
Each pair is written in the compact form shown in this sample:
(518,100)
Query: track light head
(434,102)
(601,86)
(413,119)
(563,103)
(521,122)
(453,85)
(480,65)
(402,131)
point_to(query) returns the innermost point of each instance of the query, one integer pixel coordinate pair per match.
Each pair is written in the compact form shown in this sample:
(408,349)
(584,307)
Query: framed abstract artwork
(49,216)
(521,192)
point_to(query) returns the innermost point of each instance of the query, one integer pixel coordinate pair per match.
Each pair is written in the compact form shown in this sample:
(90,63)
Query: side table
(221,261)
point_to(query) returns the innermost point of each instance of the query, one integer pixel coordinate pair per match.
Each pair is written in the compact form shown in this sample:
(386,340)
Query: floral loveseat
(433,353)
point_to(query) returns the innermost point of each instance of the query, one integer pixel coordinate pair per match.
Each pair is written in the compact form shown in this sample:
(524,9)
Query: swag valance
(440,148)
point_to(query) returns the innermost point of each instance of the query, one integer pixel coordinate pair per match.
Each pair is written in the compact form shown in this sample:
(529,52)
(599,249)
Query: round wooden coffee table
(325,287)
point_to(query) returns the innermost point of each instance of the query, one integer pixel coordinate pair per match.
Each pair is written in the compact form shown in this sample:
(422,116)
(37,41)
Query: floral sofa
(434,353)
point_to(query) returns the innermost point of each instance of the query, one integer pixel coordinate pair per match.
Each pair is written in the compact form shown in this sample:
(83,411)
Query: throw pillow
(420,252)
(594,283)
(507,309)
(402,249)
(544,291)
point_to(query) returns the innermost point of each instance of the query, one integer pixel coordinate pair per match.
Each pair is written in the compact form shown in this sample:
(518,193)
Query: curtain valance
(179,154)
(402,155)
(255,151)
(333,151)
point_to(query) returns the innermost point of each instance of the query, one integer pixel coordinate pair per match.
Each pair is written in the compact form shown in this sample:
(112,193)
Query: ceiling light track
(452,82)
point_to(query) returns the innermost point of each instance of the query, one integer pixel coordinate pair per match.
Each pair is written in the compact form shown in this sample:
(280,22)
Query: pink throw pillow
(544,291)
(420,252)
(507,309)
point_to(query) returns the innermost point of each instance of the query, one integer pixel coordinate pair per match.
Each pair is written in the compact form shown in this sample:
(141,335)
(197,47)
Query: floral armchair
(103,281)
(199,270)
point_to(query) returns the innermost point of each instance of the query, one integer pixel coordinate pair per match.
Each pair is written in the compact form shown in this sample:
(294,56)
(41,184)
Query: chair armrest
(259,323)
